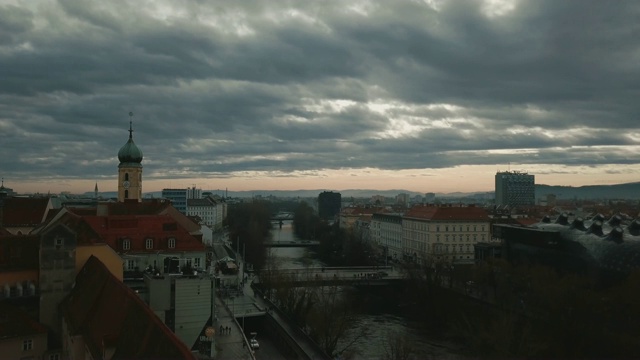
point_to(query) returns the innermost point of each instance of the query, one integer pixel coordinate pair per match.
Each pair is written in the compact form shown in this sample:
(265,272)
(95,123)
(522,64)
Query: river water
(380,320)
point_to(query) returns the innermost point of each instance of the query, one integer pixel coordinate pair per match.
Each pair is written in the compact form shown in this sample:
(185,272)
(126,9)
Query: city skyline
(426,96)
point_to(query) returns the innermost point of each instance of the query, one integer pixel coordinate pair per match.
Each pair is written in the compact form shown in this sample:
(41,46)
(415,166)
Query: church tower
(130,170)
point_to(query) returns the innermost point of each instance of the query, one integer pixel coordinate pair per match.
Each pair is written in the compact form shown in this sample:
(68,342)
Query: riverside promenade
(231,346)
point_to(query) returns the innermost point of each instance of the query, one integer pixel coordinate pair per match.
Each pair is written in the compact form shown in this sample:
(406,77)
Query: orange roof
(105,311)
(448,213)
(19,211)
(138,228)
(17,323)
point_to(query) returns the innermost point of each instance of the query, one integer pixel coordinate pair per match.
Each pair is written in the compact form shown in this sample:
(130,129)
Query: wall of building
(193,301)
(57,273)
(14,348)
(105,253)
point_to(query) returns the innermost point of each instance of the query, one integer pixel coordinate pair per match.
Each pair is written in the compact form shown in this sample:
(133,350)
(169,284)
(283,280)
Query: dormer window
(126,244)
(148,244)
(172,243)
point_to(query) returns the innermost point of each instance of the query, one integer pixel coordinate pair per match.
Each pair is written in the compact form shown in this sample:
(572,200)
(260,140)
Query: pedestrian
(221,331)
(229,331)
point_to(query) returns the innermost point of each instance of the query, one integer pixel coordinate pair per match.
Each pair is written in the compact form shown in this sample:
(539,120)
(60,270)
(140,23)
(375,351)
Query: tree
(249,226)
(331,318)
(396,347)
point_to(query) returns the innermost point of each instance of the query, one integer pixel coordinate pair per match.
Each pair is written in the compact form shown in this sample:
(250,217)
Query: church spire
(130,125)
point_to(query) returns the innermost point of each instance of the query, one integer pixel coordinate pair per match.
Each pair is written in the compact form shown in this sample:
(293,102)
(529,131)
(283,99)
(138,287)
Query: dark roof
(107,313)
(19,252)
(14,322)
(448,213)
(19,211)
(138,228)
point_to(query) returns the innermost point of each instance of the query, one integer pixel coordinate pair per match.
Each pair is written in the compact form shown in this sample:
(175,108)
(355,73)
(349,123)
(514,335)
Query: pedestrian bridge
(303,243)
(346,275)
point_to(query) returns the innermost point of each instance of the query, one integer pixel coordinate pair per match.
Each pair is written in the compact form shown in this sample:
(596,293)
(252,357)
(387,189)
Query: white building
(210,210)
(444,233)
(386,231)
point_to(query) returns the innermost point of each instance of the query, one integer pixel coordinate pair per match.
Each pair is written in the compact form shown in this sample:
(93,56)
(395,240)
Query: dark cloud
(281,87)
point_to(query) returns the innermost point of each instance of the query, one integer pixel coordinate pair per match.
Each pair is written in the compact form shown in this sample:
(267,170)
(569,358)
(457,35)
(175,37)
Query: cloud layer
(285,88)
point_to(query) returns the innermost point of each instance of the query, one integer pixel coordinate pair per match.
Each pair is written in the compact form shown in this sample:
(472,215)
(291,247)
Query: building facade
(515,189)
(386,231)
(329,204)
(178,198)
(443,233)
(211,211)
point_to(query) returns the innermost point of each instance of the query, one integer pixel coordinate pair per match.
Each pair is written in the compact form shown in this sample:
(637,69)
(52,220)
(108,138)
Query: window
(172,243)
(59,242)
(148,243)
(126,244)
(27,345)
(437,228)
(54,357)
(130,264)
(126,194)
(196,263)
(126,176)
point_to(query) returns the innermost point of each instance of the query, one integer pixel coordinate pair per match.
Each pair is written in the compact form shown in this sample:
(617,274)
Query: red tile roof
(105,311)
(14,322)
(19,211)
(138,228)
(448,213)
(19,252)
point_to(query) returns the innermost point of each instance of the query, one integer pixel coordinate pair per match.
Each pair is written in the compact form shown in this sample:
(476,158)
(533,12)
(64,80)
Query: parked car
(254,344)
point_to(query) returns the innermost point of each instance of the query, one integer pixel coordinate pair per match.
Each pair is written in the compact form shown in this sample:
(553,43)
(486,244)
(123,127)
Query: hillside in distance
(587,192)
(617,191)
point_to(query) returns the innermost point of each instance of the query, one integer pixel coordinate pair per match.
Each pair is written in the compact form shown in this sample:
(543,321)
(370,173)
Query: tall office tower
(178,198)
(329,204)
(515,188)
(194,193)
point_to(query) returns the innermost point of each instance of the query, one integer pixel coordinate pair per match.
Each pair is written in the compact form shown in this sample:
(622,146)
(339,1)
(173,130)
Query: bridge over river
(344,275)
(285,243)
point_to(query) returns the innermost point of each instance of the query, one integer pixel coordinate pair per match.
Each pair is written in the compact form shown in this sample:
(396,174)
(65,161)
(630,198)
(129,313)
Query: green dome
(130,153)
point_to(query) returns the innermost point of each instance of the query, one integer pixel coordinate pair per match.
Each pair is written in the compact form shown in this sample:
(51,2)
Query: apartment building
(386,231)
(443,233)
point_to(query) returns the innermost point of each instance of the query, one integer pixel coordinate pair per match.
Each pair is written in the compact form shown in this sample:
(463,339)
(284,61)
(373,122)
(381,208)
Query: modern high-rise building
(178,198)
(329,204)
(514,188)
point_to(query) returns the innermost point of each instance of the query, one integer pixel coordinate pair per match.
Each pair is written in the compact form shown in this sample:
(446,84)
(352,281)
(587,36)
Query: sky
(422,95)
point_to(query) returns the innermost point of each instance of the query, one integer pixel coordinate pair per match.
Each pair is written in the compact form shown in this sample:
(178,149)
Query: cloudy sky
(423,95)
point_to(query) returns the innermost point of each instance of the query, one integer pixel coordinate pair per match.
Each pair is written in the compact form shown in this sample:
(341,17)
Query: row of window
(132,264)
(148,244)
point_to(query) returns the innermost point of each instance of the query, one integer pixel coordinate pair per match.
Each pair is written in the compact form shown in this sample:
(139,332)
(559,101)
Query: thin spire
(130,125)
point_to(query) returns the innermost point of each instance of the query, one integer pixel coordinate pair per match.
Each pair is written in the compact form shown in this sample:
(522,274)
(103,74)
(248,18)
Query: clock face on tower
(125,184)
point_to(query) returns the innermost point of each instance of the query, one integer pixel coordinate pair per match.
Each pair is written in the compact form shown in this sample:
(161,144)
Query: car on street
(254,344)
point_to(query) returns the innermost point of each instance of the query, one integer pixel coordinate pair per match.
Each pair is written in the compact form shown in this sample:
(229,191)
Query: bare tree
(331,318)
(396,347)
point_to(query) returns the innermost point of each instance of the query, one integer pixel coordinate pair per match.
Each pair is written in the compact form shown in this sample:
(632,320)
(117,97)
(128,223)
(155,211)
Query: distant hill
(618,191)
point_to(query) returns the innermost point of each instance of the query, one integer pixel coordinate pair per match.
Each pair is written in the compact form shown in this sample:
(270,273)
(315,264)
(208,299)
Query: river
(380,320)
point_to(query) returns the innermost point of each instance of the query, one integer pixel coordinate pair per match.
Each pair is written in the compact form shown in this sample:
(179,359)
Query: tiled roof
(19,252)
(199,202)
(107,313)
(19,211)
(448,213)
(14,322)
(138,228)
